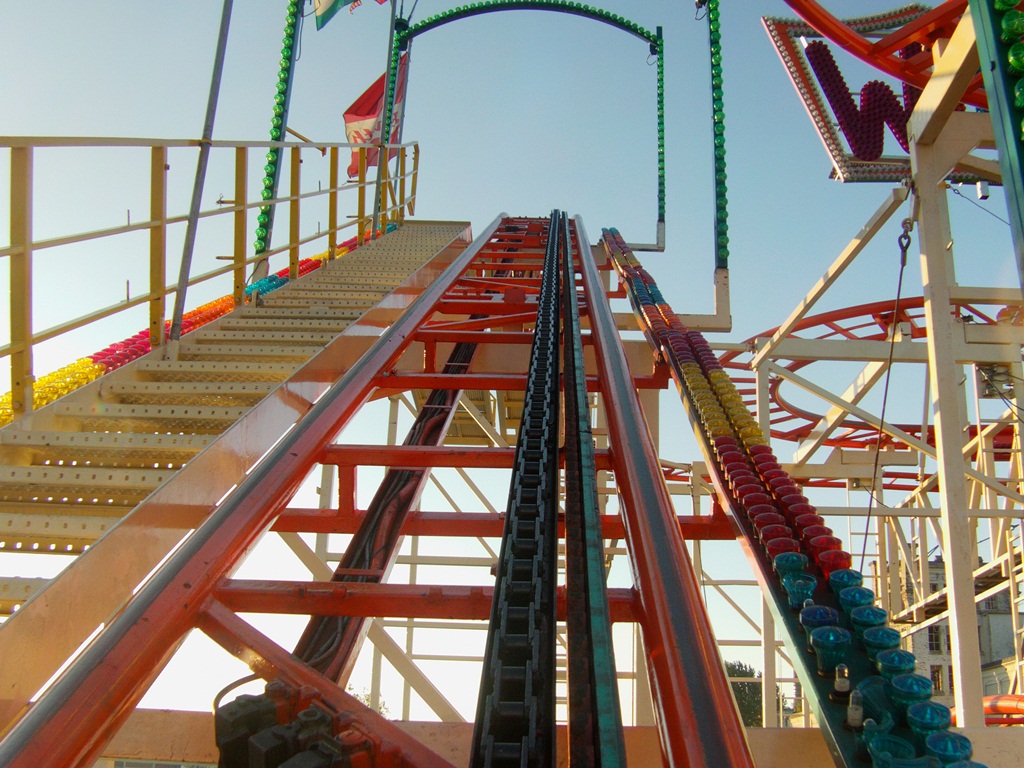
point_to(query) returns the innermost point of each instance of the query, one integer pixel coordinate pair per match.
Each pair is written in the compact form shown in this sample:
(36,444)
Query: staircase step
(186,393)
(213,370)
(151,418)
(298,313)
(245,352)
(314,301)
(49,532)
(100,449)
(287,324)
(79,485)
(290,338)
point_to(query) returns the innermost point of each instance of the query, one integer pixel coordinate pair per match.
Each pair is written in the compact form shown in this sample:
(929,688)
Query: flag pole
(200,180)
(385,130)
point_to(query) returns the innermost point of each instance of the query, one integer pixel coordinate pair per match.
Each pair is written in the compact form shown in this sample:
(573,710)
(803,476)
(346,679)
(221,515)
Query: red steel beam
(485,318)
(502,382)
(420,457)
(401,601)
(696,715)
(476,337)
(478,524)
(856,44)
(938,22)
(73,720)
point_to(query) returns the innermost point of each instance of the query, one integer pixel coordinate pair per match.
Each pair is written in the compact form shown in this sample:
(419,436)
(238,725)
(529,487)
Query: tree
(366,699)
(748,695)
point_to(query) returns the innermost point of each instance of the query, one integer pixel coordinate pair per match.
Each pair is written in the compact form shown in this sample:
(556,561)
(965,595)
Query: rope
(904,243)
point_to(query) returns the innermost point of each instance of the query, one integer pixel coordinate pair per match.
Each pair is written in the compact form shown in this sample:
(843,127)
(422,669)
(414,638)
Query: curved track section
(791,421)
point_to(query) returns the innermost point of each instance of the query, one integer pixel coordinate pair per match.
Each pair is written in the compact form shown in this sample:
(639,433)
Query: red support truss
(70,723)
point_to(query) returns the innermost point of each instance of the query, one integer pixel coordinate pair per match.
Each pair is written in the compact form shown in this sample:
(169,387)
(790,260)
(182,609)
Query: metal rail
(515,721)
(72,721)
(330,643)
(595,718)
(697,717)
(23,244)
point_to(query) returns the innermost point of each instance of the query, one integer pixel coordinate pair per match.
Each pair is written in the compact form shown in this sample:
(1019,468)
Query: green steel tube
(278,124)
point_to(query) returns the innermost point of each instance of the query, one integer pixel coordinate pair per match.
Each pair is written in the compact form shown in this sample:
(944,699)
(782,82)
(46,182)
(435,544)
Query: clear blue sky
(516,111)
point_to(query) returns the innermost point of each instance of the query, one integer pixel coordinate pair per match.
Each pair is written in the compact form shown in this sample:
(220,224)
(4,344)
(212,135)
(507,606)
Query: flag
(363,119)
(325,10)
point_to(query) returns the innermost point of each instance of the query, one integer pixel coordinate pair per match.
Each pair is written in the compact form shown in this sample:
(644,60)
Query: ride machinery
(532,360)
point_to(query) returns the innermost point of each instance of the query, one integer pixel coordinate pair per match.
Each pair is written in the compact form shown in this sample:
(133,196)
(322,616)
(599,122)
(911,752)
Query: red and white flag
(363,119)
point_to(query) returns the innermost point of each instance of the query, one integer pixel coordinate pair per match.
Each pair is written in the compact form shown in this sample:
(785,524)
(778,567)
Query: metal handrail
(400,188)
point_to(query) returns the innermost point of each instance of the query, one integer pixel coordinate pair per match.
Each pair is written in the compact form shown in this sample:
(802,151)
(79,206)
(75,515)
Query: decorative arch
(405,33)
(557,6)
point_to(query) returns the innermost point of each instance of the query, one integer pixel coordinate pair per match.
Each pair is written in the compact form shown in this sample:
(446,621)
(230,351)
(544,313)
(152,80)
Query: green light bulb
(1012,26)
(1015,58)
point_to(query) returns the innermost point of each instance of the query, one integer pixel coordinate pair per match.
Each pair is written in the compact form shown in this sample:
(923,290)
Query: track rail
(595,721)
(515,723)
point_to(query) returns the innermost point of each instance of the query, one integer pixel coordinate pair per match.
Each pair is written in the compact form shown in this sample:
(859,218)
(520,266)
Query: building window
(935,639)
(937,677)
(989,603)
(951,679)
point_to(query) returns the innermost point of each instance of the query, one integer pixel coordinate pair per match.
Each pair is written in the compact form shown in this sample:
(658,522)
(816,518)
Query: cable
(960,194)
(230,687)
(904,242)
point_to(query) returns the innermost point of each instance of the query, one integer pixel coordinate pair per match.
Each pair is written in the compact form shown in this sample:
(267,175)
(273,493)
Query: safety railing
(315,190)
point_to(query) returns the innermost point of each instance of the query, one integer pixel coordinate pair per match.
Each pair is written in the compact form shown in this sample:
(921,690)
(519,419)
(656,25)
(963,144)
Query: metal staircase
(69,471)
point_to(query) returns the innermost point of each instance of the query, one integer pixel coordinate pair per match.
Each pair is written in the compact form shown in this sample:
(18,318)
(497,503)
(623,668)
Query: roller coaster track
(203,520)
